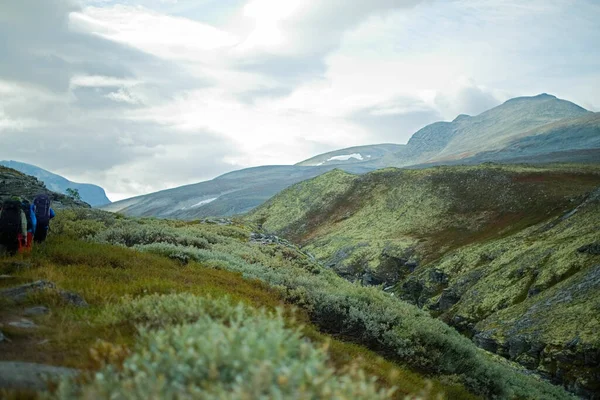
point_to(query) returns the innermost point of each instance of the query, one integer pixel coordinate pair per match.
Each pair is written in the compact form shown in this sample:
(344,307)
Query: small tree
(73,193)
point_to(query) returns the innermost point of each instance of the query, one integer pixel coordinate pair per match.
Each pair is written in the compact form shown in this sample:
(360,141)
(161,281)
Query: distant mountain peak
(461,117)
(541,96)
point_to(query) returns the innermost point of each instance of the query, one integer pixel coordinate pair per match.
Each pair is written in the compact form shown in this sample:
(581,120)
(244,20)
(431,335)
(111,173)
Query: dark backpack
(42,208)
(10,221)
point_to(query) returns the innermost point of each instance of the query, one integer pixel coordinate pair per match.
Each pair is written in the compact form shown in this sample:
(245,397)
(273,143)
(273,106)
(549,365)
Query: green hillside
(203,310)
(497,251)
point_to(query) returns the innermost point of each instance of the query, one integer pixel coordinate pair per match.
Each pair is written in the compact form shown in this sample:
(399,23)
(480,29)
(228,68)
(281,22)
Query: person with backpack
(43,213)
(13,226)
(29,210)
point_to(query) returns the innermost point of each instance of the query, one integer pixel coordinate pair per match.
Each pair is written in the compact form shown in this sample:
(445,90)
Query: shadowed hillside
(507,254)
(91,194)
(15,183)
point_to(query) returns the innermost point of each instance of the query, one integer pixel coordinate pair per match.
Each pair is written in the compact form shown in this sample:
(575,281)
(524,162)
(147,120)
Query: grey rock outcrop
(23,324)
(21,375)
(38,310)
(18,294)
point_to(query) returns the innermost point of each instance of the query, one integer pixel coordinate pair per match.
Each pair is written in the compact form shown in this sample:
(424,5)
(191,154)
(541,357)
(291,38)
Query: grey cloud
(38,47)
(160,157)
(395,126)
(469,99)
(290,72)
(253,95)
(313,35)
(92,146)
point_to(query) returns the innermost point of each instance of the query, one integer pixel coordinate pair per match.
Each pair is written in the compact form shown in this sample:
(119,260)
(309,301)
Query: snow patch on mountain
(346,157)
(200,203)
(203,202)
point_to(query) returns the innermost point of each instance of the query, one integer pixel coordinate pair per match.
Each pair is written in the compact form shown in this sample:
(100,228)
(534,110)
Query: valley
(505,254)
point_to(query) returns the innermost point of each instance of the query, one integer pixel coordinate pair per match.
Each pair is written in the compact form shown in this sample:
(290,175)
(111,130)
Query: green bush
(148,234)
(162,310)
(227,353)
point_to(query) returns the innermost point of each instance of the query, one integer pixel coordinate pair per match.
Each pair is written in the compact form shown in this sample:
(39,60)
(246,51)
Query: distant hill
(91,194)
(537,129)
(495,128)
(16,183)
(234,193)
(567,140)
(509,255)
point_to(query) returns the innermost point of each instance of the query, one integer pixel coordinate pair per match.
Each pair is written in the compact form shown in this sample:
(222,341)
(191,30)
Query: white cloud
(161,35)
(123,96)
(100,81)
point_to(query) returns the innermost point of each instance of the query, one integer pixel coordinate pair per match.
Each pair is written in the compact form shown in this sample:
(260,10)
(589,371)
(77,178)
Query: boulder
(19,293)
(21,375)
(73,298)
(38,310)
(448,298)
(592,249)
(23,324)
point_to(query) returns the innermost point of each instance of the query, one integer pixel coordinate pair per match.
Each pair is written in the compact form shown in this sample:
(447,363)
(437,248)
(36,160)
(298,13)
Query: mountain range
(91,194)
(538,129)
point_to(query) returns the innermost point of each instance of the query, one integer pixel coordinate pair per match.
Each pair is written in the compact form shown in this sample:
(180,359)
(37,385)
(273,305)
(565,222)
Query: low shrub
(133,235)
(157,310)
(228,352)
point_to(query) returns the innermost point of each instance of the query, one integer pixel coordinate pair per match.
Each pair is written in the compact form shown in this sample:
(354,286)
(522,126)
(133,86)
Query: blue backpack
(42,208)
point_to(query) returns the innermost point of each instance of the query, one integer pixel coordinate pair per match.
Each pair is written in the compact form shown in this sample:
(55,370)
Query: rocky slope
(494,128)
(506,254)
(91,194)
(568,140)
(15,183)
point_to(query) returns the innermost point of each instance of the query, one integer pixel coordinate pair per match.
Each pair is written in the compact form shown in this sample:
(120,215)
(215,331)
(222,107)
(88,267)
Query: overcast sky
(142,95)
